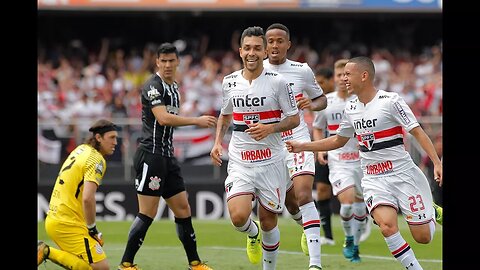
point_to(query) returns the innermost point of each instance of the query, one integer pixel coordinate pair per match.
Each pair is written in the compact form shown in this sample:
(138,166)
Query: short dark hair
(365,63)
(167,47)
(256,31)
(279,26)
(326,72)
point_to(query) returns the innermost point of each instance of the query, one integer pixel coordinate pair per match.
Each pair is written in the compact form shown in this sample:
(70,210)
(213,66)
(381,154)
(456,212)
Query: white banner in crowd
(49,151)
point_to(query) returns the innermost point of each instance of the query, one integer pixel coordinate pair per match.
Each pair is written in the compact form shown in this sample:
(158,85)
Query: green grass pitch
(224,248)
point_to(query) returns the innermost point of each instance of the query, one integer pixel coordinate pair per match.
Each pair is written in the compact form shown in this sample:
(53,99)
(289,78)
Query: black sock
(136,235)
(186,234)
(325,217)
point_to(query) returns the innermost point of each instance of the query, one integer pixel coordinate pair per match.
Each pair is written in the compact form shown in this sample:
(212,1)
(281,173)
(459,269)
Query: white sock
(346,213)
(402,252)
(270,244)
(359,221)
(431,224)
(311,227)
(250,228)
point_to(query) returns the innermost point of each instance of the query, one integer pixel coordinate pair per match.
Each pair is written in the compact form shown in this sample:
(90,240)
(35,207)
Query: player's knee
(423,238)
(304,197)
(102,265)
(346,210)
(387,228)
(238,219)
(323,189)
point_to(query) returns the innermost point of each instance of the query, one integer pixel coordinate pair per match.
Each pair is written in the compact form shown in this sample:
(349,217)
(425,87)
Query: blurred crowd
(77,84)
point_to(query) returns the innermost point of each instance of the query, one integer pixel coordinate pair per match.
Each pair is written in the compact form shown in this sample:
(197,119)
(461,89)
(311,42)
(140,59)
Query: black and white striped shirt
(157,139)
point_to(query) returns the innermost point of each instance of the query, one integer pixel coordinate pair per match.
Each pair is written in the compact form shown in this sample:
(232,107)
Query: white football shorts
(266,182)
(407,191)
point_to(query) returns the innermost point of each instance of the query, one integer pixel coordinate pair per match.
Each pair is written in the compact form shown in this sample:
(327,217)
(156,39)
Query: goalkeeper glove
(92,230)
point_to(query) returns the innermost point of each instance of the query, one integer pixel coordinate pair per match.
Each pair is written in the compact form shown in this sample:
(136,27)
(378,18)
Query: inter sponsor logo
(257,155)
(362,123)
(380,168)
(337,115)
(296,65)
(248,101)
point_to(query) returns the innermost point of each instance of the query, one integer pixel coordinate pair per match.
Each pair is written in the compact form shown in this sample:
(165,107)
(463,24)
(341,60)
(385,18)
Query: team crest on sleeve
(99,168)
(154,183)
(153,92)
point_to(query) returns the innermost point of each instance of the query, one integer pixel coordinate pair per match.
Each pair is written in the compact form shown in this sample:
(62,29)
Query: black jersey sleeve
(154,93)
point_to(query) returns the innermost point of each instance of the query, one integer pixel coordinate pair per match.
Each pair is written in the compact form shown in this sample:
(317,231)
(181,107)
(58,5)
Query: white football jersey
(302,80)
(262,101)
(378,127)
(329,119)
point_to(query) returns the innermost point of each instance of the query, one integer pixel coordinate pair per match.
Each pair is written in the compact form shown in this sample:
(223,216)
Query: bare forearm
(426,144)
(287,123)
(323,145)
(222,127)
(176,121)
(318,134)
(319,103)
(89,210)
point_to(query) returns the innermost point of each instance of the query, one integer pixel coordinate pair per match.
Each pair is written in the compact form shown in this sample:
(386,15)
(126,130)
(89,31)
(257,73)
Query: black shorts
(321,173)
(156,175)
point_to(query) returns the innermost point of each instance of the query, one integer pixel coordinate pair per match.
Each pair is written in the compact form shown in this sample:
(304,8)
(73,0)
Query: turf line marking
(284,252)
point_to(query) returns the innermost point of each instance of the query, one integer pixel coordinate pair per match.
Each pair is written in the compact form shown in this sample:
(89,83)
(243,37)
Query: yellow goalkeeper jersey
(84,163)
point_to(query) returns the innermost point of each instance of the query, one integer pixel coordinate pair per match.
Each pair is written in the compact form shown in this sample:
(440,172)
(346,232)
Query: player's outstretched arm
(326,144)
(165,118)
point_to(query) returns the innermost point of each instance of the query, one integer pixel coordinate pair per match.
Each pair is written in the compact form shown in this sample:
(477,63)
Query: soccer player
(324,77)
(255,97)
(344,166)
(392,182)
(326,80)
(70,220)
(156,168)
(301,166)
